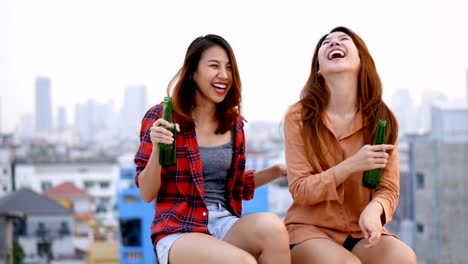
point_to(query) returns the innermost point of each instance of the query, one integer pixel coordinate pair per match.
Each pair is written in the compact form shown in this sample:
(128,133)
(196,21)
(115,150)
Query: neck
(204,113)
(343,93)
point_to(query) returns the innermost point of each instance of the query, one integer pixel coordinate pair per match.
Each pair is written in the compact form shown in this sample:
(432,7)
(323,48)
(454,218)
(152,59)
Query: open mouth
(336,54)
(220,86)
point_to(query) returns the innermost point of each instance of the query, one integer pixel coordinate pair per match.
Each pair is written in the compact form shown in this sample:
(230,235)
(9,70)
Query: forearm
(149,179)
(262,177)
(342,172)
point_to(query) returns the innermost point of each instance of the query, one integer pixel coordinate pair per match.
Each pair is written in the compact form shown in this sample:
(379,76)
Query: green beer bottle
(371,178)
(167,152)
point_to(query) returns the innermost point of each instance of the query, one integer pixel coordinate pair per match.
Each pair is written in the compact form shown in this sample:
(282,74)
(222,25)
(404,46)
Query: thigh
(321,250)
(255,231)
(389,250)
(203,248)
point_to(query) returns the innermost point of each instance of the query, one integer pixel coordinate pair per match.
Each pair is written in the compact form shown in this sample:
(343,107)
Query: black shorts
(349,243)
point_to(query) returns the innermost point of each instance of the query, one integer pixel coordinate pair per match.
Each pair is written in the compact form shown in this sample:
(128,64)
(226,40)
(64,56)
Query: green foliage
(18,253)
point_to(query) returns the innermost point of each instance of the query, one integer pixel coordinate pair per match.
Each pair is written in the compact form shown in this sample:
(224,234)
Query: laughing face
(338,53)
(213,76)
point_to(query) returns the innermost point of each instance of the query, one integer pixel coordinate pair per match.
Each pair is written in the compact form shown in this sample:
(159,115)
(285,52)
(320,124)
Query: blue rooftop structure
(135,217)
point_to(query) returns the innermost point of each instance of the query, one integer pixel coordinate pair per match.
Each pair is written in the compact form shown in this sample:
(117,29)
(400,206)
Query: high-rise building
(23,129)
(402,106)
(424,112)
(133,109)
(438,166)
(43,105)
(84,121)
(62,119)
(93,118)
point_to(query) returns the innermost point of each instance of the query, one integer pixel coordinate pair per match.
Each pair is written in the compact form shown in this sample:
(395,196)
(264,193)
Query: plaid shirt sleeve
(146,146)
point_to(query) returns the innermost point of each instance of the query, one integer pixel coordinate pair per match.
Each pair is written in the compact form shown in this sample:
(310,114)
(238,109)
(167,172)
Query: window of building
(5,171)
(131,232)
(104,184)
(88,184)
(83,170)
(19,227)
(128,198)
(64,229)
(420,180)
(46,185)
(420,228)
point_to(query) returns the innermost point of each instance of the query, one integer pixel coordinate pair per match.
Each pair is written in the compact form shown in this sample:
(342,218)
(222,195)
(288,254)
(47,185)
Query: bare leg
(388,250)
(263,235)
(322,250)
(202,248)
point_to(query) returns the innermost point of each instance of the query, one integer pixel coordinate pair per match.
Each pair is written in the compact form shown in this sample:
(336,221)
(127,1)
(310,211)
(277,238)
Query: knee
(411,257)
(352,260)
(245,258)
(405,256)
(270,225)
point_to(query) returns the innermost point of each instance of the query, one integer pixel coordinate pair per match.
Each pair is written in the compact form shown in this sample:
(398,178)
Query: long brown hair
(184,87)
(315,96)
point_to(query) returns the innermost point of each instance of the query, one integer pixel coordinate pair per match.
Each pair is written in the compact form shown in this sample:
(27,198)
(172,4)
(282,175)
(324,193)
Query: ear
(319,73)
(193,77)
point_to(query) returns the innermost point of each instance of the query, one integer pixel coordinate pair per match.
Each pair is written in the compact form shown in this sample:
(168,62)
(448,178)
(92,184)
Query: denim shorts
(220,221)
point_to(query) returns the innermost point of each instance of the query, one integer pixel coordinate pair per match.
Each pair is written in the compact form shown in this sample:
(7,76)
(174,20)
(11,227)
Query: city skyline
(416,45)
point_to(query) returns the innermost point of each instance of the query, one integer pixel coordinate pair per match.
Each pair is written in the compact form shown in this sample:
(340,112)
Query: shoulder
(240,122)
(154,112)
(294,113)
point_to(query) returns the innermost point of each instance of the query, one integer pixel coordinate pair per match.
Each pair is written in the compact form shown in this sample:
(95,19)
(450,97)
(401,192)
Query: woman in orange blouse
(333,218)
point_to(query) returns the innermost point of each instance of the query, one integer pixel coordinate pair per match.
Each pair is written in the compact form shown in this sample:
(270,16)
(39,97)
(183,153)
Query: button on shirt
(180,205)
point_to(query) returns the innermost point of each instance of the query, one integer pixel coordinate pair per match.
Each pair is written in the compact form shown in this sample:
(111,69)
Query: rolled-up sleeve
(306,186)
(387,194)
(146,146)
(249,185)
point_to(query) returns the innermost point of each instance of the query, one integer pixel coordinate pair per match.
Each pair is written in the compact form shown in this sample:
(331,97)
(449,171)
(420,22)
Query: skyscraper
(43,105)
(61,119)
(133,109)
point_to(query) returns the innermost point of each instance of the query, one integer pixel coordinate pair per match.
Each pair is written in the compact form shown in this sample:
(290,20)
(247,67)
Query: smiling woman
(333,218)
(198,201)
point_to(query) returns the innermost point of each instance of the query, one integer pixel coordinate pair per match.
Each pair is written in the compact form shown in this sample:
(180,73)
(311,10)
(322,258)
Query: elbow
(147,196)
(147,199)
(297,196)
(299,199)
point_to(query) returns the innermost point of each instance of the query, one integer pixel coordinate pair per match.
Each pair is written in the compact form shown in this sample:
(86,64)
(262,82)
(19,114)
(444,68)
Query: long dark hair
(184,87)
(315,96)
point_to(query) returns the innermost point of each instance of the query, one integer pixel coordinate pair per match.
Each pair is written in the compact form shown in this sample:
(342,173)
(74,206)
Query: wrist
(280,171)
(344,168)
(376,207)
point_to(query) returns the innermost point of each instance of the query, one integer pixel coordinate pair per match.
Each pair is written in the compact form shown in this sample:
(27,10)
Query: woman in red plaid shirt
(198,201)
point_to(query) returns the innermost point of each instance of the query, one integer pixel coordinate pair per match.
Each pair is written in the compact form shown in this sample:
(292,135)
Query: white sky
(95,49)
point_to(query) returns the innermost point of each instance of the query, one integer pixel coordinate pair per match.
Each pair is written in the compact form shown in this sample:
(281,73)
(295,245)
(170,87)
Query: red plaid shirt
(180,204)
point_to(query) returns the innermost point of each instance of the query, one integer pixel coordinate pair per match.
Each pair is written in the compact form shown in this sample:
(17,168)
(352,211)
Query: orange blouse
(320,208)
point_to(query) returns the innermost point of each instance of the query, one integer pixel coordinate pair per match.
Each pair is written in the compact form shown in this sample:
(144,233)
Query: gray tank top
(216,163)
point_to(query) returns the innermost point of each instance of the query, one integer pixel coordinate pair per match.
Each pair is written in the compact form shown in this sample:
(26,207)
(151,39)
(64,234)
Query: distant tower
(61,119)
(43,105)
(133,109)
